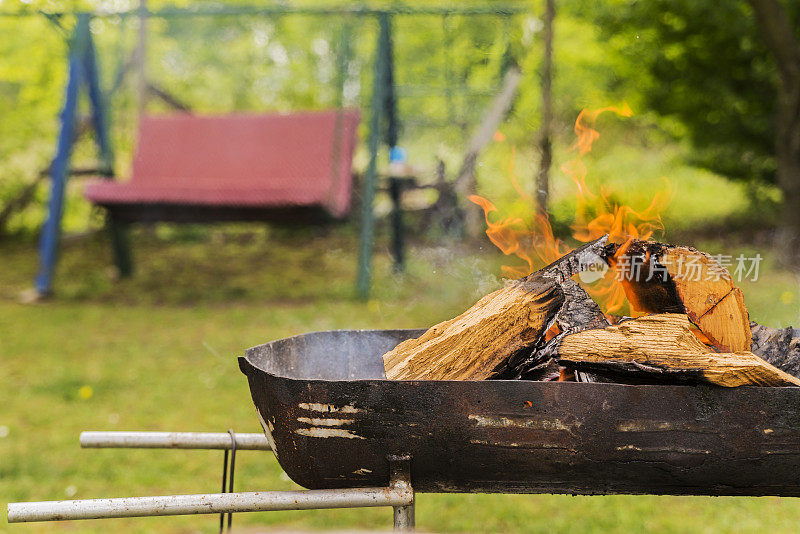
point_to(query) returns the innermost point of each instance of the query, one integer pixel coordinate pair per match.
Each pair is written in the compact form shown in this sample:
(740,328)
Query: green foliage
(703,63)
(31,78)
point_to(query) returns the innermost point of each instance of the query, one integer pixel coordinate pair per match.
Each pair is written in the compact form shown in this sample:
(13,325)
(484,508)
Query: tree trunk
(545,143)
(780,39)
(787,152)
(466,182)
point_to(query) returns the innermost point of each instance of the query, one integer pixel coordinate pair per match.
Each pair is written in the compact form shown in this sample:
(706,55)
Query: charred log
(780,347)
(578,312)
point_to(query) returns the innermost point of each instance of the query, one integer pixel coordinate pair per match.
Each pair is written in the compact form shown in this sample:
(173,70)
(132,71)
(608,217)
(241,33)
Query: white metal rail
(213,503)
(173,440)
(399,494)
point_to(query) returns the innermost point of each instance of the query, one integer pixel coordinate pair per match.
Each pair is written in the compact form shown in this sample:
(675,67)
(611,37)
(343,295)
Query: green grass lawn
(158,353)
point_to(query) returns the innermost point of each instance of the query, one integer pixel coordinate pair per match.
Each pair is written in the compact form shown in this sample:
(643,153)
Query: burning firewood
(499,327)
(660,278)
(663,346)
(546,327)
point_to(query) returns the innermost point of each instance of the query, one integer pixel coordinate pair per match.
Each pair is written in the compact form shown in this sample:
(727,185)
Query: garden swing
(293,167)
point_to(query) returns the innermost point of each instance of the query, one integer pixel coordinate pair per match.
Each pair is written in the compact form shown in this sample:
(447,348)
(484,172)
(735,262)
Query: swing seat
(275,167)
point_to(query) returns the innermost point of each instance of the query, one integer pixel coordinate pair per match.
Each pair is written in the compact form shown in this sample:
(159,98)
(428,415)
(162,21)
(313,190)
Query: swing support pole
(383,102)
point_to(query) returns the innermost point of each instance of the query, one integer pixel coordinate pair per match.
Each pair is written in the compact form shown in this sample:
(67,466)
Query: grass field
(158,353)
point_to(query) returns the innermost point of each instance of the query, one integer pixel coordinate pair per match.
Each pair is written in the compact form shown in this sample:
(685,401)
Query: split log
(501,326)
(471,345)
(663,346)
(780,347)
(660,278)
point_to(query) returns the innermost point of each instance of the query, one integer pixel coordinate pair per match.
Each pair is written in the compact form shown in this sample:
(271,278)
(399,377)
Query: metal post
(214,503)
(396,185)
(99,115)
(59,169)
(389,97)
(120,245)
(371,176)
(117,230)
(173,440)
(400,479)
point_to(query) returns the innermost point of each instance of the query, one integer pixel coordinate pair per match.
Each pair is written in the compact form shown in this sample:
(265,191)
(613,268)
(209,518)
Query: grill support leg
(400,479)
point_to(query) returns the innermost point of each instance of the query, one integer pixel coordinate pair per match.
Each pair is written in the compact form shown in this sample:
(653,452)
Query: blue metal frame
(99,118)
(83,70)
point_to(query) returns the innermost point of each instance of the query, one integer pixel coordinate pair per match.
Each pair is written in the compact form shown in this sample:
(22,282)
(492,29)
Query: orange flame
(528,235)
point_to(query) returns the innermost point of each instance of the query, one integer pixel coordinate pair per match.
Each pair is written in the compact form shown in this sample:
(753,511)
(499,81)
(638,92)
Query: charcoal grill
(333,420)
(353,438)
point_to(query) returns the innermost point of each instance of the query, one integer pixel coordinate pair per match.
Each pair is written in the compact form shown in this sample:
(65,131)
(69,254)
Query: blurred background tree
(712,66)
